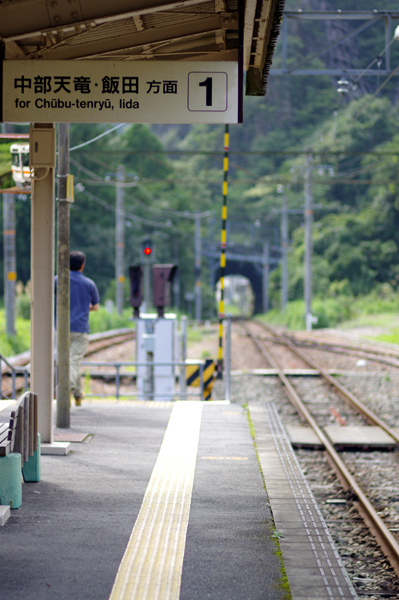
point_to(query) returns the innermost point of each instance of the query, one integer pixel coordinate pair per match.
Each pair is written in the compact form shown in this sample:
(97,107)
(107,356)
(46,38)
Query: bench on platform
(19,450)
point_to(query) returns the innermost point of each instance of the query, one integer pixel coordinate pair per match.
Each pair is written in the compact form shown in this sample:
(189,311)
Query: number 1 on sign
(208,85)
(211,99)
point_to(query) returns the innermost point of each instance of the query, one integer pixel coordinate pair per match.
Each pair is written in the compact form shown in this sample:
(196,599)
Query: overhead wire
(168,212)
(130,215)
(99,180)
(97,137)
(254,152)
(356,115)
(377,58)
(171,211)
(361,27)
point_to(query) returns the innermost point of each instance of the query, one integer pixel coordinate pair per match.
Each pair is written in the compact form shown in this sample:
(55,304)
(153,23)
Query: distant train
(20,164)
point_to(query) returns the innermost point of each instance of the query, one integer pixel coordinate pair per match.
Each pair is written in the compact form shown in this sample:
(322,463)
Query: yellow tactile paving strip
(125,402)
(152,564)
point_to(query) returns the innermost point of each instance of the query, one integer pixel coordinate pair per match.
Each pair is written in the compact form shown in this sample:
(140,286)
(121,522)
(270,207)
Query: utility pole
(265,277)
(197,260)
(120,238)
(146,303)
(63,295)
(197,248)
(284,252)
(146,258)
(10,271)
(308,243)
(176,280)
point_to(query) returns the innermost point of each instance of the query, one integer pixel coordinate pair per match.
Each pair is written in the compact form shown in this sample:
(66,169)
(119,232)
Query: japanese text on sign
(110,85)
(167,92)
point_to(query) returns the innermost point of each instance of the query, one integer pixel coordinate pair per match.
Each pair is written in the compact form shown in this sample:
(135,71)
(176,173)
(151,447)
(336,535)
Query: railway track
(377,347)
(369,415)
(97,342)
(380,530)
(364,353)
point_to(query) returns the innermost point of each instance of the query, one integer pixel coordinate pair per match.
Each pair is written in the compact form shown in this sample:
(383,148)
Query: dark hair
(76,260)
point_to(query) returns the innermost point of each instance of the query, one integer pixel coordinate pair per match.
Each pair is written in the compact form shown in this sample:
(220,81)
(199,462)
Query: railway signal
(136,288)
(146,259)
(163,276)
(146,248)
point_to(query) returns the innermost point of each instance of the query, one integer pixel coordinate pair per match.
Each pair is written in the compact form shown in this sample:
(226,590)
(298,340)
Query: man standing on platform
(84,297)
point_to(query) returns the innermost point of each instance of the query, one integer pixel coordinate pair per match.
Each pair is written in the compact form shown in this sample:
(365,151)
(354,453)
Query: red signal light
(146,248)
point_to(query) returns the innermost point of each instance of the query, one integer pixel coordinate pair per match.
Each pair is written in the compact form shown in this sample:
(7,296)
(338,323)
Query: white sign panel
(120,92)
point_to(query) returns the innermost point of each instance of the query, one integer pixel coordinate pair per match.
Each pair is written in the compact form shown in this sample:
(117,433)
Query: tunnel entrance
(253,273)
(239,297)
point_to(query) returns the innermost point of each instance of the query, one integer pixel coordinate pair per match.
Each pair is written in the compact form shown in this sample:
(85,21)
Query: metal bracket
(62,12)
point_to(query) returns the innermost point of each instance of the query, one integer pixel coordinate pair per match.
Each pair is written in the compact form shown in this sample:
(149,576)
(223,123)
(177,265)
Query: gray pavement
(230,553)
(68,538)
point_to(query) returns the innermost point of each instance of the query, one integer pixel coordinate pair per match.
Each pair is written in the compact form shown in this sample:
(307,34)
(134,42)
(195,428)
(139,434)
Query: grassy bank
(101,320)
(14,344)
(375,310)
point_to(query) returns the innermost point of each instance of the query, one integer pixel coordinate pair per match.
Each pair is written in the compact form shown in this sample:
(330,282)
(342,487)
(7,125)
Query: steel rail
(385,539)
(345,393)
(367,354)
(333,347)
(98,344)
(376,355)
(336,349)
(98,341)
(350,347)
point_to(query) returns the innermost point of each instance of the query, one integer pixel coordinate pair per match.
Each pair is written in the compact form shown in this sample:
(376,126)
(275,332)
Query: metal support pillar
(369,18)
(284,252)
(265,277)
(285,35)
(388,39)
(42,303)
(198,244)
(213,268)
(176,280)
(146,303)
(120,238)
(308,242)
(63,295)
(10,272)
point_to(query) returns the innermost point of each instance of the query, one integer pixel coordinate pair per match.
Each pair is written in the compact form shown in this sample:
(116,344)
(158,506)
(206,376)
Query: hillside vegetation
(170,170)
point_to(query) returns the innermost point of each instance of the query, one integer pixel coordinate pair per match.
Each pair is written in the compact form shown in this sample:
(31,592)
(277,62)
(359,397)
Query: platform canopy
(130,30)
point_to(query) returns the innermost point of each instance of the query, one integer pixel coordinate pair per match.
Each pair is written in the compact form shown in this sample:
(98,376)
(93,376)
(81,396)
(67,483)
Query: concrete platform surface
(312,563)
(4,515)
(69,537)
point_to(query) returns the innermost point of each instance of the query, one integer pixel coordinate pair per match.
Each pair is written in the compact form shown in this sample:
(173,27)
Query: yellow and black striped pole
(223,252)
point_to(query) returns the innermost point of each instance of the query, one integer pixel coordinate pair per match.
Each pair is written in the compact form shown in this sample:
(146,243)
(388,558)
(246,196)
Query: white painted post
(265,277)
(308,243)
(183,356)
(120,239)
(63,285)
(228,358)
(42,303)
(197,248)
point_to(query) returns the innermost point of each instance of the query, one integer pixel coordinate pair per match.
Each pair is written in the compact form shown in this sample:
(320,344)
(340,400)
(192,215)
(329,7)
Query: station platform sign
(121,92)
